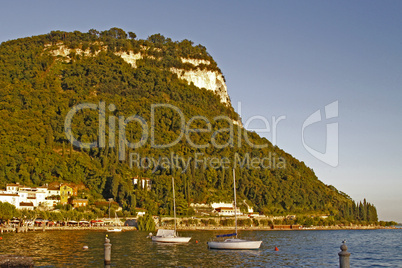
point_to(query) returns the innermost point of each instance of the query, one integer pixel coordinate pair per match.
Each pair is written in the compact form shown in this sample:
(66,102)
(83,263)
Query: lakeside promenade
(190,228)
(23,229)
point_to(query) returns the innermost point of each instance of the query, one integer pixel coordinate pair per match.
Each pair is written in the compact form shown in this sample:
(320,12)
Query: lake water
(307,248)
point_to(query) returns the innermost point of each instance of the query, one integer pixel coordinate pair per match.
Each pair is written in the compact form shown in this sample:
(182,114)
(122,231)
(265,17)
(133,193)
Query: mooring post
(108,251)
(344,256)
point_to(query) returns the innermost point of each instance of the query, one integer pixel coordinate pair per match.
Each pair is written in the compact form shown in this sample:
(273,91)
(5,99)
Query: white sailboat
(170,236)
(234,243)
(114,230)
(118,222)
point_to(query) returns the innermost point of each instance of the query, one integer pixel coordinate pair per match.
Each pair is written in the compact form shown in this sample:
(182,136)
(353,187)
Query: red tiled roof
(54,187)
(14,184)
(8,195)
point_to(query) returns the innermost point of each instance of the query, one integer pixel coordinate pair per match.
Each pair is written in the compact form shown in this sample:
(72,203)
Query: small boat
(114,230)
(170,236)
(234,243)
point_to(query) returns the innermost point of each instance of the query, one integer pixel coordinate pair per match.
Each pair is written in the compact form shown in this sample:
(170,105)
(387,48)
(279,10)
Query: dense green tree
(7,211)
(146,223)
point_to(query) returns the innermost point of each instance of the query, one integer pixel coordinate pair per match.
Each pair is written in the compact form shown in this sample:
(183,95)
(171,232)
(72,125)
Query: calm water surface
(369,248)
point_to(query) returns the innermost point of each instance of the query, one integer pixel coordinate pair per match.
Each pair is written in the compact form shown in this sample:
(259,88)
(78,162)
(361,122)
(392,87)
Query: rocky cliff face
(200,77)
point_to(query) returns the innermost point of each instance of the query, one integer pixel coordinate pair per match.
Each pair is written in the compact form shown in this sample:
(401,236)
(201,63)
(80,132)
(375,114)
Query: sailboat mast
(235,206)
(174,206)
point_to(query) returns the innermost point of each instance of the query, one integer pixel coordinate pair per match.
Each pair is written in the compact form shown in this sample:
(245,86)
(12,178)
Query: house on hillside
(30,197)
(53,190)
(65,193)
(45,196)
(13,187)
(143,183)
(227,211)
(35,195)
(79,202)
(140,212)
(11,198)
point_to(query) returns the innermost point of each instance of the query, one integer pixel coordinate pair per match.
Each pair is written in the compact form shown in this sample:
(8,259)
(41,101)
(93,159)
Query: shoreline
(25,229)
(193,228)
(220,228)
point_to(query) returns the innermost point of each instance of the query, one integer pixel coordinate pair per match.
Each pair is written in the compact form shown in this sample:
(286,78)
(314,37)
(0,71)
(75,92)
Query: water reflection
(133,249)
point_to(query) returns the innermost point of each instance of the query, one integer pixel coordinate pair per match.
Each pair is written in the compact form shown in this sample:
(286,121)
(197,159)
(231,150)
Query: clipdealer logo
(117,132)
(331,154)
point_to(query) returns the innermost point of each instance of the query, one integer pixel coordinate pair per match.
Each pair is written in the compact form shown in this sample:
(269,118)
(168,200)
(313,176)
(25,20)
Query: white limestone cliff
(130,57)
(211,80)
(202,78)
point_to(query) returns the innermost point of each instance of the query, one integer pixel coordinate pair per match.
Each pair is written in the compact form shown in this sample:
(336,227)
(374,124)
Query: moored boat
(114,230)
(234,243)
(170,236)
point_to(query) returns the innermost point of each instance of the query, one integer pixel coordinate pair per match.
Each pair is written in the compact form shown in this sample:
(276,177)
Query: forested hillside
(39,88)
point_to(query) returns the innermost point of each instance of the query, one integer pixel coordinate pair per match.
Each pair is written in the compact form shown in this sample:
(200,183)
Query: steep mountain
(103,108)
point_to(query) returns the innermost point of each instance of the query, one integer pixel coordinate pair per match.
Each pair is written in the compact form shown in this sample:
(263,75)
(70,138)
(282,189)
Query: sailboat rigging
(234,243)
(170,236)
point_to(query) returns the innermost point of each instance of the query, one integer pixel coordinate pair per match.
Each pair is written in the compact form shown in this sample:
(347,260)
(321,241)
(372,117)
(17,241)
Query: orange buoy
(276,249)
(196,241)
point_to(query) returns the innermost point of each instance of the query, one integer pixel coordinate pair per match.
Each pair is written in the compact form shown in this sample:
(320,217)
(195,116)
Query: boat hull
(114,230)
(173,239)
(234,244)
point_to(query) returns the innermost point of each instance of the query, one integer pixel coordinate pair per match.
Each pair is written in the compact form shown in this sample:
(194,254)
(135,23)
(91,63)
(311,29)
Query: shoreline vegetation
(148,223)
(197,228)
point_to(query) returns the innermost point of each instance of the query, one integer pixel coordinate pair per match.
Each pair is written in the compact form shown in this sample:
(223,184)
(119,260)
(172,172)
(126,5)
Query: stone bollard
(108,251)
(344,256)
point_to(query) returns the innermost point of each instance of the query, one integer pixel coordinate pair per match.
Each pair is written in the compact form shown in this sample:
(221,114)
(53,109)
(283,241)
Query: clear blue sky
(279,58)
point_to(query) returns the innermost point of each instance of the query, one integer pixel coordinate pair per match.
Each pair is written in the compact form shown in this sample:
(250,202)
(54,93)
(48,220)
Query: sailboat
(234,243)
(170,236)
(115,230)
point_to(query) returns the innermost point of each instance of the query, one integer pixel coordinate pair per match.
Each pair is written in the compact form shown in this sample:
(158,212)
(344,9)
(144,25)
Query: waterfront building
(11,198)
(227,211)
(79,202)
(65,193)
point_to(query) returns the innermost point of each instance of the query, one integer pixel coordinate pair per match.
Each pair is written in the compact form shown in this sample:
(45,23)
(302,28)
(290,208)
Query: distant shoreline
(65,228)
(196,228)
(255,228)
